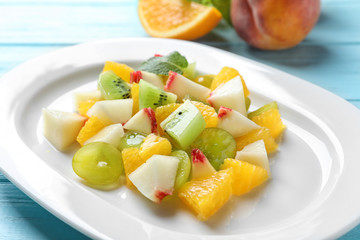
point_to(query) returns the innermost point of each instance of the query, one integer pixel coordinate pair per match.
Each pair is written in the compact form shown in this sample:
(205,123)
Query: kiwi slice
(184,125)
(112,86)
(152,96)
(216,144)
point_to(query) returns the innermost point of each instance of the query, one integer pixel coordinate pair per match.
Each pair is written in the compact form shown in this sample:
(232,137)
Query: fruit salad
(167,131)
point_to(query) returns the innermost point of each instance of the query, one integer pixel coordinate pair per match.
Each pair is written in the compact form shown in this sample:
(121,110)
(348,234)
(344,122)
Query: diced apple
(110,134)
(61,128)
(201,167)
(183,86)
(112,111)
(79,97)
(234,122)
(156,177)
(147,76)
(230,95)
(255,153)
(143,121)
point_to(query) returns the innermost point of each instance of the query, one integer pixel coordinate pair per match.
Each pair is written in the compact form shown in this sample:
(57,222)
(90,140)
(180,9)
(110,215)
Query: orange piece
(209,114)
(154,144)
(132,160)
(270,119)
(135,97)
(179,19)
(91,127)
(258,134)
(246,176)
(206,196)
(225,75)
(121,70)
(85,106)
(162,112)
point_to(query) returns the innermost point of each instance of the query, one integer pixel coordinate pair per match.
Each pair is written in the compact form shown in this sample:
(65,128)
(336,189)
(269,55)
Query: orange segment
(258,134)
(91,127)
(122,70)
(271,119)
(207,195)
(85,106)
(226,74)
(179,19)
(246,176)
(154,144)
(132,160)
(208,112)
(135,97)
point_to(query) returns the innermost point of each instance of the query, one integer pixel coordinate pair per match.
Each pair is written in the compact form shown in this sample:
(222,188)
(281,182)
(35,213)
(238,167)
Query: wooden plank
(22,218)
(67,23)
(79,21)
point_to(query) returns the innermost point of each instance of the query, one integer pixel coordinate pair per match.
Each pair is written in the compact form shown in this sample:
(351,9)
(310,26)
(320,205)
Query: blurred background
(328,57)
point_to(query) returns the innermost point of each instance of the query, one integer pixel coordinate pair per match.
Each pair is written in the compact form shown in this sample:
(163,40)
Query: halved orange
(179,19)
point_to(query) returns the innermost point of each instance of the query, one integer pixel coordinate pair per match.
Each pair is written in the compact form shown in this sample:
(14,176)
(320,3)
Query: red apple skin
(274,24)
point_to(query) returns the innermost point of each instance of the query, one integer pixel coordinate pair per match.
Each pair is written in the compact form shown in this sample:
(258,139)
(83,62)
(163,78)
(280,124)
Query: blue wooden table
(329,57)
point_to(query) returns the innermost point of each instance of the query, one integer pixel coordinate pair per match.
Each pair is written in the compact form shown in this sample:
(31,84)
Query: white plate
(313,193)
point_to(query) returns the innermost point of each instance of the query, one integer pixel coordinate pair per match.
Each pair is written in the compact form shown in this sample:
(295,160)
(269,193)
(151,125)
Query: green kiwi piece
(152,96)
(263,109)
(216,144)
(184,168)
(131,139)
(113,87)
(184,125)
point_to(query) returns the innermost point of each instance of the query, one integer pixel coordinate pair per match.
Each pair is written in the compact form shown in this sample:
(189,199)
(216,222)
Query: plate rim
(96,234)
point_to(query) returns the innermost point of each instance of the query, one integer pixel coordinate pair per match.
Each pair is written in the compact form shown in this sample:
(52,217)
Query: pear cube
(143,121)
(79,97)
(112,111)
(201,167)
(230,95)
(155,178)
(183,86)
(149,77)
(61,128)
(110,134)
(255,153)
(234,122)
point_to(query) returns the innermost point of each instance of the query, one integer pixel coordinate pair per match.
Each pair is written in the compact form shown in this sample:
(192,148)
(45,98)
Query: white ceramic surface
(313,192)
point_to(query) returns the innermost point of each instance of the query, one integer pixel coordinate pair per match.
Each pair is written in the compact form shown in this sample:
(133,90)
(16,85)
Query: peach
(274,24)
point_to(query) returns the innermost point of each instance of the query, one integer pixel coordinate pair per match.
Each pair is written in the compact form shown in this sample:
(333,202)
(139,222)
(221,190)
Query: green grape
(98,163)
(205,80)
(216,144)
(184,168)
(131,139)
(247,103)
